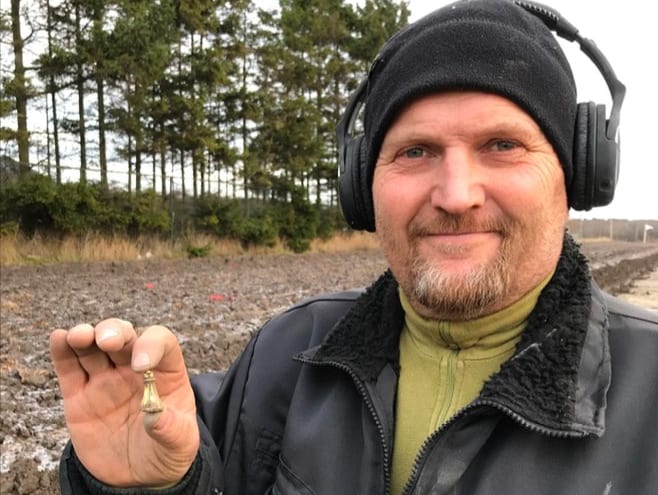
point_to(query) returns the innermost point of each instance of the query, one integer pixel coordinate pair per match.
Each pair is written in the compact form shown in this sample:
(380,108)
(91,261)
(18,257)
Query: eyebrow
(504,128)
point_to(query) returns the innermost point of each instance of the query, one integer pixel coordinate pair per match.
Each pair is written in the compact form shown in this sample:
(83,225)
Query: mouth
(461,242)
(463,235)
(458,227)
(458,233)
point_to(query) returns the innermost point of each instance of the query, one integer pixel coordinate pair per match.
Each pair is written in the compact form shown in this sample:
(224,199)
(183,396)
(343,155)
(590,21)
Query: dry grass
(16,249)
(352,241)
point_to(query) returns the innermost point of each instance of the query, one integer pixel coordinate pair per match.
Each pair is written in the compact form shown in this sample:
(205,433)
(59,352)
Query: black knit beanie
(485,45)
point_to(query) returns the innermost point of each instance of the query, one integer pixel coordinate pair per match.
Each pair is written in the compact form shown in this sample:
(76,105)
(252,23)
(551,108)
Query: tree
(51,90)
(80,86)
(18,88)
(311,66)
(372,25)
(98,49)
(140,53)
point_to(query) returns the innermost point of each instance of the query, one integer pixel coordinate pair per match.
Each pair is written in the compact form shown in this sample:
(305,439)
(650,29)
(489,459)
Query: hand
(100,372)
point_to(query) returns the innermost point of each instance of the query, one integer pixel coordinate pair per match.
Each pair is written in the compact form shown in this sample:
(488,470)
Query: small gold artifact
(151,402)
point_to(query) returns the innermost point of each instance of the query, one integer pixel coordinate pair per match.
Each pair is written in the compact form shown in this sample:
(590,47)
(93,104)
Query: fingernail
(141,361)
(107,334)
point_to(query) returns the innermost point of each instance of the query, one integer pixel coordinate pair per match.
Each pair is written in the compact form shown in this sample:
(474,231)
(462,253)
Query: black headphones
(595,145)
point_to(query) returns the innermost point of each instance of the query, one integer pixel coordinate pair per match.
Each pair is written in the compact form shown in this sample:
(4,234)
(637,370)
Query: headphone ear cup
(596,159)
(606,167)
(580,197)
(354,194)
(365,205)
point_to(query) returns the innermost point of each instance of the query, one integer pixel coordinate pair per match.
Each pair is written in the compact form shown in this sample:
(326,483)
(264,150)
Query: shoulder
(633,333)
(306,323)
(303,325)
(327,301)
(629,316)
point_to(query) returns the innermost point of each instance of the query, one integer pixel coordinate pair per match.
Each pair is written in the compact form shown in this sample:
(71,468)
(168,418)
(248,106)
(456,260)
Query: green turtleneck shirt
(443,366)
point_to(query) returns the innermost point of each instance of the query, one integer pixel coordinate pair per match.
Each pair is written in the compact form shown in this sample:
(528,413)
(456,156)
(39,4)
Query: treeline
(35,204)
(203,92)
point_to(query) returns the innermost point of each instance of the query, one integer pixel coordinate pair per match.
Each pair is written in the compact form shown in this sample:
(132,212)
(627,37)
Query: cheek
(392,211)
(538,190)
(396,198)
(392,217)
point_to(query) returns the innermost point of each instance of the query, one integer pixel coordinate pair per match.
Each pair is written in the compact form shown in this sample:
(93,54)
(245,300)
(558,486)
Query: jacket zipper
(366,397)
(479,404)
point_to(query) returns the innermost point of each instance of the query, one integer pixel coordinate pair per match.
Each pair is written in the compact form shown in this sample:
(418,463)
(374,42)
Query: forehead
(476,108)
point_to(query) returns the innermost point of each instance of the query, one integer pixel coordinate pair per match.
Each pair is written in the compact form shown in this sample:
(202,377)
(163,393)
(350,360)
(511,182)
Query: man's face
(470,204)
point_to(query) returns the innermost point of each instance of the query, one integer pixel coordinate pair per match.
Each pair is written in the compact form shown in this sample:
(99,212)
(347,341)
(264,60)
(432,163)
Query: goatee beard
(466,295)
(459,297)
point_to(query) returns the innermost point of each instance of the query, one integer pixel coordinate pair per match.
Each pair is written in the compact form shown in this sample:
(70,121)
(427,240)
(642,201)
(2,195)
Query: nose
(458,182)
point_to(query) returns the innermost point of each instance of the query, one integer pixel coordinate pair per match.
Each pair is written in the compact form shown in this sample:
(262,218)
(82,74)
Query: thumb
(150,420)
(173,429)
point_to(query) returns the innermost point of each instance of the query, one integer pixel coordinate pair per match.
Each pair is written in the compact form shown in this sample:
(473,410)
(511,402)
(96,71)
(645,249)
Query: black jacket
(309,406)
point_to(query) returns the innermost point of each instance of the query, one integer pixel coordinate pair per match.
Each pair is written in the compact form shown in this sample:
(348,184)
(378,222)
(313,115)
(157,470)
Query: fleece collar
(558,376)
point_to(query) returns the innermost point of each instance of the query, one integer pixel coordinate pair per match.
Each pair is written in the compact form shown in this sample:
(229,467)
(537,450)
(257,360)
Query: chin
(458,293)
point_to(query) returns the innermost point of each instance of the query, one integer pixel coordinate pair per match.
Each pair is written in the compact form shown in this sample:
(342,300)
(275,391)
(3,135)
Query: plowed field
(214,305)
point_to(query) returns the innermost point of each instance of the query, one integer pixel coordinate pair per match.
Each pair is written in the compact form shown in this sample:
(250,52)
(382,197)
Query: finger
(72,377)
(157,347)
(82,340)
(116,337)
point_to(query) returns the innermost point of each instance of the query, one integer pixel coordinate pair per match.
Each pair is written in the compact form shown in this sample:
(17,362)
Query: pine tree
(18,89)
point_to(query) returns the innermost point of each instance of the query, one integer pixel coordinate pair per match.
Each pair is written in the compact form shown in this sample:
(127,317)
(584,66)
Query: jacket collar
(558,376)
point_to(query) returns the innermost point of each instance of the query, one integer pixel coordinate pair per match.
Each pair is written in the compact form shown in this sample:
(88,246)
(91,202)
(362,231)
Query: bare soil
(214,305)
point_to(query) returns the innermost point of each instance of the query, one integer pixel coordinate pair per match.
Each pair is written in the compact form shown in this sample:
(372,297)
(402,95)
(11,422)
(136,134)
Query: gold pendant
(151,402)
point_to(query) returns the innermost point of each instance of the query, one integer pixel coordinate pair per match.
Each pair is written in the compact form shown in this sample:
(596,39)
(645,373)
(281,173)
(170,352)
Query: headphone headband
(564,29)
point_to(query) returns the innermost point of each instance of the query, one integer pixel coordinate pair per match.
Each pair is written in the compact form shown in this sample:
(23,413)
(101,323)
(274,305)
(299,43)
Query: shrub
(75,209)
(329,221)
(37,204)
(198,251)
(298,222)
(219,216)
(149,214)
(29,202)
(259,230)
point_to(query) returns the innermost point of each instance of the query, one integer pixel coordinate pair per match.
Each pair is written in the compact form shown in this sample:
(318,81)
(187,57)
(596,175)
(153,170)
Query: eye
(415,152)
(503,145)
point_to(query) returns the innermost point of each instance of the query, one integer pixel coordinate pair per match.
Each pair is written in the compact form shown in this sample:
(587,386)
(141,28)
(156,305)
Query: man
(485,361)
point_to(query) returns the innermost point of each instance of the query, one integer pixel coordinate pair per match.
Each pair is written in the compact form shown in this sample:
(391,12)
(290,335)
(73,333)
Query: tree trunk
(81,101)
(202,175)
(58,165)
(138,162)
(52,89)
(182,173)
(100,94)
(163,162)
(20,90)
(194,177)
(102,147)
(130,164)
